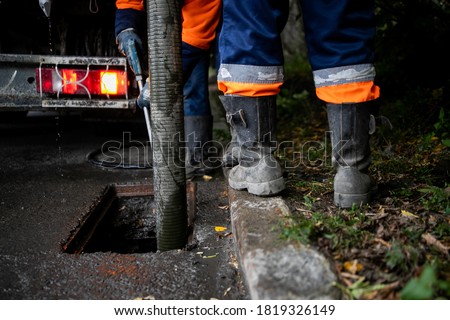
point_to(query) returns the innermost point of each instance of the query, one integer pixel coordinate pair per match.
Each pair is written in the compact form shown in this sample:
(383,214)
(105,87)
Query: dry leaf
(409,214)
(207,178)
(225,235)
(350,276)
(234,262)
(384,243)
(353,266)
(432,241)
(219,228)
(150,297)
(226,291)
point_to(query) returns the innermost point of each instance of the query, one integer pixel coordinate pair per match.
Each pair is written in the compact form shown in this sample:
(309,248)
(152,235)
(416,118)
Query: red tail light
(65,81)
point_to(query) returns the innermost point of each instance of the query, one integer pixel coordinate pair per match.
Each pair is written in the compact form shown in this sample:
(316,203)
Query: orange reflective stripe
(249,89)
(200,20)
(349,93)
(130,4)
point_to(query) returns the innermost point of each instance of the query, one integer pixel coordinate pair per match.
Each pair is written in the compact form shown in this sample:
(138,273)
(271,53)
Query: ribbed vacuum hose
(166,83)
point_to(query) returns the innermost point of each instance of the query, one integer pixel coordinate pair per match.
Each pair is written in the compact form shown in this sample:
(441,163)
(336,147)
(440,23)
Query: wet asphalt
(47,186)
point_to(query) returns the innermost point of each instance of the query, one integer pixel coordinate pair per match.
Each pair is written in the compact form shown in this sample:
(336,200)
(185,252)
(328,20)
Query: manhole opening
(122,220)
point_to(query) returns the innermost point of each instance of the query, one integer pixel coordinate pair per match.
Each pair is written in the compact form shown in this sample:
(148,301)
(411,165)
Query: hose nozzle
(46,6)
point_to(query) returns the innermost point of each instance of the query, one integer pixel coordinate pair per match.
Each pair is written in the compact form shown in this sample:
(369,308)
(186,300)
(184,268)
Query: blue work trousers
(195,77)
(338,33)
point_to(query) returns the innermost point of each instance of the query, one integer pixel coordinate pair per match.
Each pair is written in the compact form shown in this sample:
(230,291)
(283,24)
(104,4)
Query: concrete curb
(273,268)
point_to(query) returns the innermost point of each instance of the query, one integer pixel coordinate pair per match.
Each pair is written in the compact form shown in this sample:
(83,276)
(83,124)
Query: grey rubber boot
(252,120)
(198,136)
(351,126)
(231,155)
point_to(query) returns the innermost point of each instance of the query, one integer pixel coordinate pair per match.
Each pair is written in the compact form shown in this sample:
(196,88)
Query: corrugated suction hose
(166,108)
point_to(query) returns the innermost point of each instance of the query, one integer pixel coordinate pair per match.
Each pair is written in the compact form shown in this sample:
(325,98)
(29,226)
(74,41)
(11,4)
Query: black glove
(127,40)
(143,101)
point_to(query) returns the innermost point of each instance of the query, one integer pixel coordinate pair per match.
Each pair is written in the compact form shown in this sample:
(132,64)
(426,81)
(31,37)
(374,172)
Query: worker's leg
(197,119)
(340,35)
(250,76)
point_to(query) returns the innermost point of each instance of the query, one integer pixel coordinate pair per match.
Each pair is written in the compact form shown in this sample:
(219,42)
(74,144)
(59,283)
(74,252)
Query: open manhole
(122,220)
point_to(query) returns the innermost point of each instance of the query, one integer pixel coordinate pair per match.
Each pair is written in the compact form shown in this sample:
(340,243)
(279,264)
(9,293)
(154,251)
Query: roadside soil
(398,246)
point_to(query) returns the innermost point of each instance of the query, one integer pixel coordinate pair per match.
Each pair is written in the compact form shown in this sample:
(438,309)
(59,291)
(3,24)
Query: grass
(398,246)
(392,241)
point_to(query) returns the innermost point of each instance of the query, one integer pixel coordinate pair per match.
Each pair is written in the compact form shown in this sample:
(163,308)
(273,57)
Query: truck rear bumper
(19,83)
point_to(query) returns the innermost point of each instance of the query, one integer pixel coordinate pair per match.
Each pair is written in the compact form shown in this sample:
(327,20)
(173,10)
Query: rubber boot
(252,121)
(198,136)
(230,157)
(351,126)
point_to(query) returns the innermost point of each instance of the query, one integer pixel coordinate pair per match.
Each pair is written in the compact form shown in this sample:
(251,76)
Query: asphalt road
(47,187)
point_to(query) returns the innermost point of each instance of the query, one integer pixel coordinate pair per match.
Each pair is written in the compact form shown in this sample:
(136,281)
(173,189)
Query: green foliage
(401,257)
(432,283)
(442,128)
(436,199)
(297,98)
(308,202)
(442,229)
(222,136)
(359,288)
(422,287)
(290,105)
(312,186)
(402,192)
(395,257)
(342,230)
(409,162)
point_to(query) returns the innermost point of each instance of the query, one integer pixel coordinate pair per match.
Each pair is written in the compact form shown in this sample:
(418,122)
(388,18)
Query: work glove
(143,101)
(46,5)
(130,45)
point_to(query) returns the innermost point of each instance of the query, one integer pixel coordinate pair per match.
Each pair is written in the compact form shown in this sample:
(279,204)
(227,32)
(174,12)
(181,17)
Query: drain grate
(122,220)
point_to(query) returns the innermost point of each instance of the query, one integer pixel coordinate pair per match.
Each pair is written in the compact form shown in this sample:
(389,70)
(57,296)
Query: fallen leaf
(384,243)
(150,297)
(219,228)
(303,210)
(350,276)
(226,291)
(353,266)
(432,241)
(234,262)
(409,214)
(225,235)
(211,256)
(447,191)
(207,178)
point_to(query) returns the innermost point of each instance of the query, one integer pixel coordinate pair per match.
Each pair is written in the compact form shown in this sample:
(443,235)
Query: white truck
(61,54)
